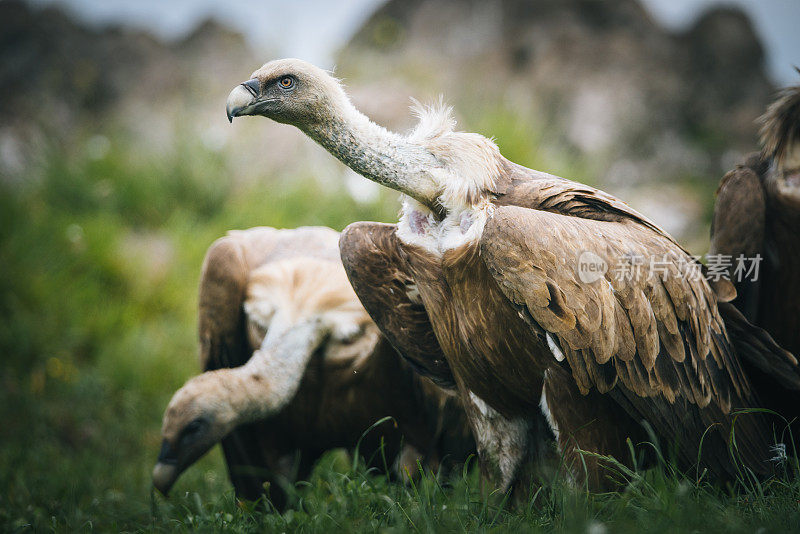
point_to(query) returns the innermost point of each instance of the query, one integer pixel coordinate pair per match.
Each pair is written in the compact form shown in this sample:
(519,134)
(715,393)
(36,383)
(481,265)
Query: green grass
(100,261)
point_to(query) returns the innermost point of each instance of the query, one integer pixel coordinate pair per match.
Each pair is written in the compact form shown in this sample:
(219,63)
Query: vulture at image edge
(757,215)
(486,257)
(294,367)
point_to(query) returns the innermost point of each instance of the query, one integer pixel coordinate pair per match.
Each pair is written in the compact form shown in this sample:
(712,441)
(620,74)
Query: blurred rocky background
(595,90)
(598,91)
(118,169)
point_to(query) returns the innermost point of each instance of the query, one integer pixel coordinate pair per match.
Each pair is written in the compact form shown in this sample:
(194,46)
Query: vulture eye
(192,429)
(287,82)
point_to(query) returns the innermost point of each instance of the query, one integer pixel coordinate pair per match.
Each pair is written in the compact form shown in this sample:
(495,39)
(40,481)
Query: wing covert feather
(653,329)
(223,343)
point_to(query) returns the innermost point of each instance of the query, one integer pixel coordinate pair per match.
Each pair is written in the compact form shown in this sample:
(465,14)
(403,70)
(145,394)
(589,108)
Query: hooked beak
(166,472)
(242,97)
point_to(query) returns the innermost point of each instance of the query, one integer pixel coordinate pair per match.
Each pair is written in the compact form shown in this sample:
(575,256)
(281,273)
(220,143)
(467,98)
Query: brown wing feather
(224,278)
(223,343)
(758,348)
(510,247)
(221,318)
(541,191)
(537,190)
(738,227)
(376,268)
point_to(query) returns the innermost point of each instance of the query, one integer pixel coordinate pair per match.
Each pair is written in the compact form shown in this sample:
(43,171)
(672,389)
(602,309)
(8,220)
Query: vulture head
(433,164)
(780,142)
(197,418)
(290,91)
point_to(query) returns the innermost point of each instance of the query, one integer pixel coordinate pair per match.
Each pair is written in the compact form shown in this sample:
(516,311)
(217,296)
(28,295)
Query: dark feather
(780,125)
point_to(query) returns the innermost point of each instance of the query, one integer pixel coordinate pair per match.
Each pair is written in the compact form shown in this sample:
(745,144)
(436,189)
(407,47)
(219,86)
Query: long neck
(271,377)
(376,153)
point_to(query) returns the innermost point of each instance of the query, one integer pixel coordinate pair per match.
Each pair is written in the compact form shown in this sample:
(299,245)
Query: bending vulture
(514,274)
(295,365)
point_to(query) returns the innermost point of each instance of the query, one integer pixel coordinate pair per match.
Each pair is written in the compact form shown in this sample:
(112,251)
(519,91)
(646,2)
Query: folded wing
(630,321)
(380,277)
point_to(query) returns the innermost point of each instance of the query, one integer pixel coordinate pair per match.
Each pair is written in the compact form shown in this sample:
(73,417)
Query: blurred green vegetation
(100,263)
(100,259)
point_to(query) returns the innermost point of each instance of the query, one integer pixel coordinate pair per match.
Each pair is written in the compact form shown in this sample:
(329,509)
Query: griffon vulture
(755,236)
(757,216)
(295,365)
(514,271)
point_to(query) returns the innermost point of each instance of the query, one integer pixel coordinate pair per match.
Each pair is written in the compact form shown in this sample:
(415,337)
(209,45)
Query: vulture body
(294,367)
(755,234)
(482,287)
(757,213)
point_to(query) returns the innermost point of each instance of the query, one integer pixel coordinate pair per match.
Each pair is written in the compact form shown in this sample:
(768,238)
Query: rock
(602,78)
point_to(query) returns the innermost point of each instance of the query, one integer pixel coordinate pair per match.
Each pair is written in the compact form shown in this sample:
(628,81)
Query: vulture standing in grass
(757,215)
(295,365)
(486,257)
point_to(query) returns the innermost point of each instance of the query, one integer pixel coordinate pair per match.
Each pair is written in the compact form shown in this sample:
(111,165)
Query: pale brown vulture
(522,280)
(294,367)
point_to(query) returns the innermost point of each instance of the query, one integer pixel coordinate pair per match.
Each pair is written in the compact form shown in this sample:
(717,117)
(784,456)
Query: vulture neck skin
(270,378)
(376,153)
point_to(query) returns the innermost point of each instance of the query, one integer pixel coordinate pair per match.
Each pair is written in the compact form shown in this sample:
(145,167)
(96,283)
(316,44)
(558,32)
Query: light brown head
(290,91)
(199,415)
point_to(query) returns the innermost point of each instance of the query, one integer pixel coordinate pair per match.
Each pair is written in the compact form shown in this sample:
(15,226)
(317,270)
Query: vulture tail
(758,350)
